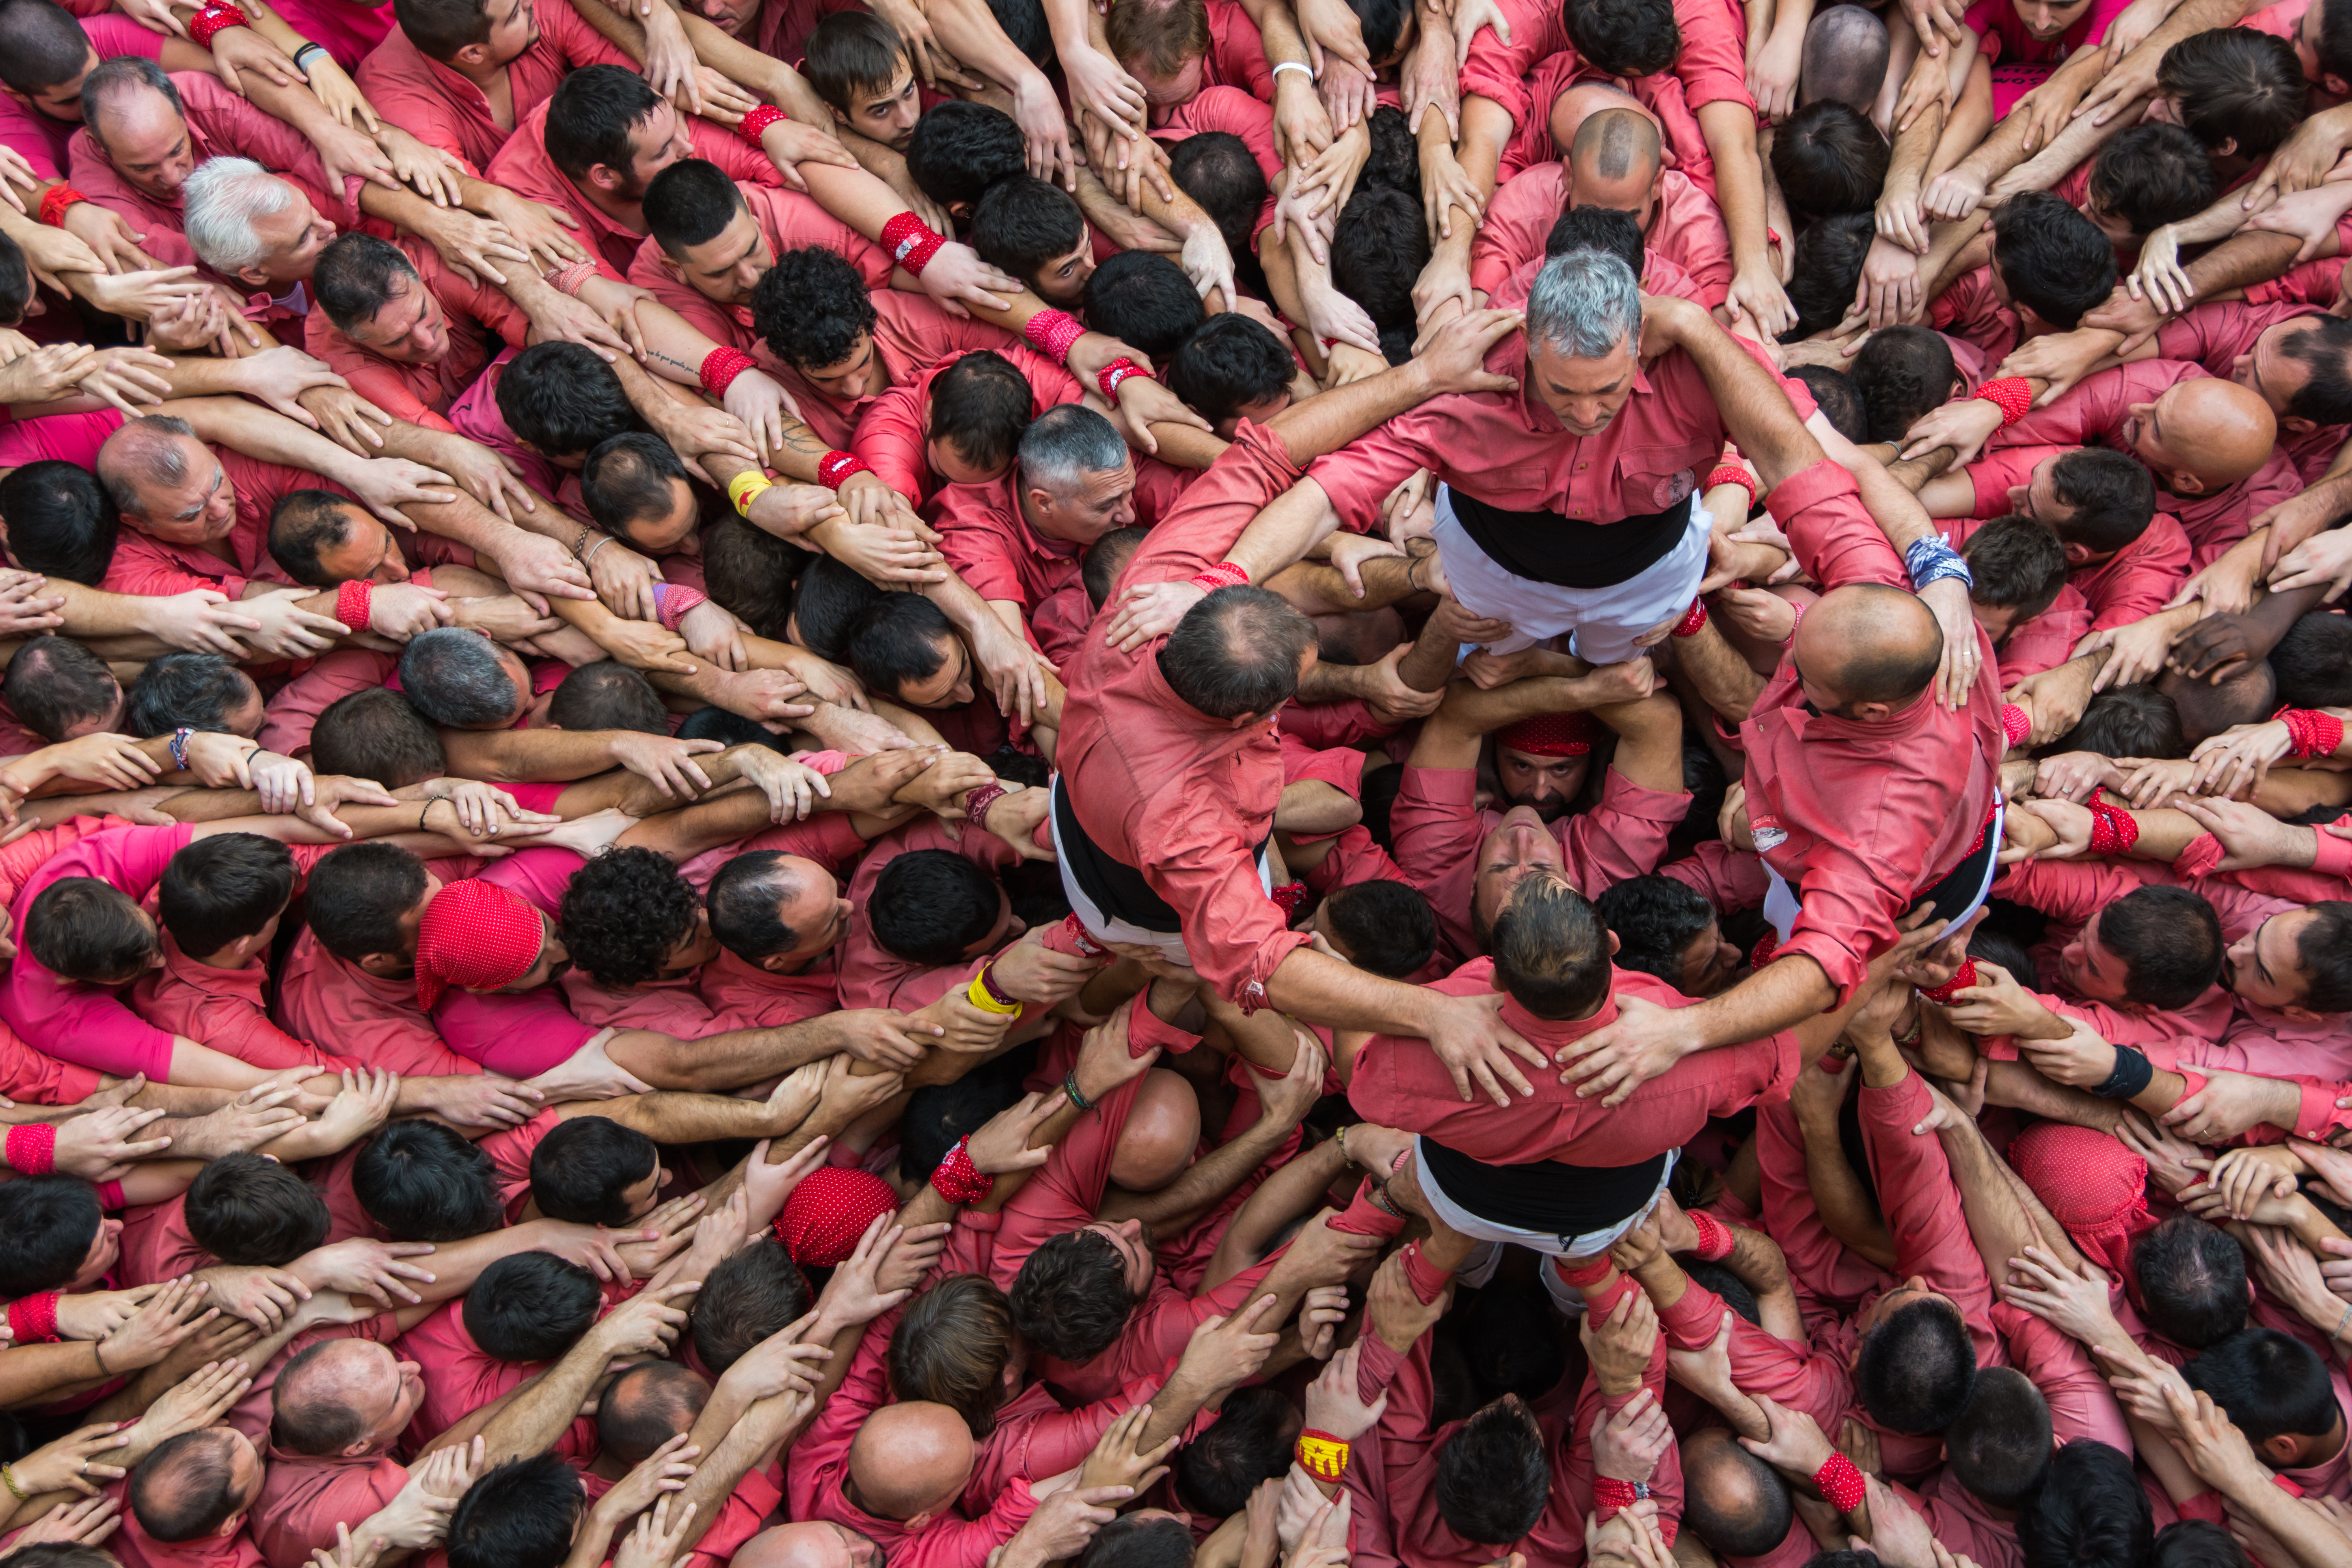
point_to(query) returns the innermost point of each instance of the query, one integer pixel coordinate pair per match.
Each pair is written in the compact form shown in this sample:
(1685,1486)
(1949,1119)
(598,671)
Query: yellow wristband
(745,487)
(1324,1458)
(978,993)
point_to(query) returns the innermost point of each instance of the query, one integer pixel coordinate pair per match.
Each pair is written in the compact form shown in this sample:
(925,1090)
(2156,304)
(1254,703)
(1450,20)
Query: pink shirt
(43,141)
(1685,144)
(134,1548)
(441,107)
(893,434)
(788,220)
(87,1023)
(1525,206)
(460,1377)
(1712,66)
(2004,38)
(744,996)
(1971,311)
(911,335)
(872,975)
(303,1498)
(522,1035)
(482,322)
(2214,334)
(2131,584)
(349,28)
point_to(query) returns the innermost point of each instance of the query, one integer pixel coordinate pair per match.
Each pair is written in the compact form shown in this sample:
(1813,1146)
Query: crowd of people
(1175,784)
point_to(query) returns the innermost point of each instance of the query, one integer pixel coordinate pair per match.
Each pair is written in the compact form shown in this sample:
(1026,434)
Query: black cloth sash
(1569,551)
(1545,1196)
(1118,889)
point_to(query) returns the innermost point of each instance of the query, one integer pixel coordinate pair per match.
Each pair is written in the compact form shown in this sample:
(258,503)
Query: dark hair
(928,905)
(2054,259)
(2199,1543)
(187,1489)
(357,274)
(88,931)
(304,522)
(2234,83)
(1023,222)
(851,51)
(1223,176)
(607,695)
(941,1115)
(421,1182)
(2170,941)
(46,1226)
(519,1515)
(741,900)
(223,890)
(1625,37)
(647,1406)
(1551,953)
(1612,231)
(2127,722)
(1512,1342)
(1382,23)
(195,690)
(15,282)
(1730,1286)
(1387,927)
(582,1168)
(1736,1503)
(1159,37)
(356,895)
(1654,919)
(812,307)
(620,915)
(1829,159)
(2016,564)
(1999,1447)
(377,734)
(591,117)
(1145,301)
(746,1299)
(2192,1281)
(1394,161)
(1026,27)
(690,204)
(1132,1541)
(728,729)
(1839,404)
(42,45)
(899,639)
(2325,950)
(980,406)
(1825,267)
(1378,250)
(1493,1477)
(960,149)
(755,575)
(2090,1513)
(626,481)
(2270,1384)
(454,676)
(1217,1471)
(1230,362)
(54,683)
(1236,652)
(253,1212)
(1903,373)
(1071,1298)
(530,1306)
(1917,1368)
(561,396)
(2322,349)
(2112,494)
(1107,557)
(61,521)
(951,1349)
(439,28)
(2153,175)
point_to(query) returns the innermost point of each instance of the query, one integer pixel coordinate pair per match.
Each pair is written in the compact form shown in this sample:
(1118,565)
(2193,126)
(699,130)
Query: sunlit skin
(1584,394)
(950,686)
(1162,94)
(1257,413)
(1519,844)
(812,907)
(657,141)
(2201,435)
(676,531)
(810,1544)
(726,267)
(2266,966)
(201,511)
(733,18)
(1105,499)
(411,329)
(1548,785)
(382,1391)
(2274,375)
(887,117)
(62,100)
(147,142)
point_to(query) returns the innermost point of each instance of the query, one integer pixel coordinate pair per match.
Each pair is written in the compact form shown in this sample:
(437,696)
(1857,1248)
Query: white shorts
(1608,622)
(1106,929)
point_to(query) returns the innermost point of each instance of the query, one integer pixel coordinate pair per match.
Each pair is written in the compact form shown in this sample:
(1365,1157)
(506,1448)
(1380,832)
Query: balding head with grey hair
(125,89)
(245,223)
(1076,482)
(154,451)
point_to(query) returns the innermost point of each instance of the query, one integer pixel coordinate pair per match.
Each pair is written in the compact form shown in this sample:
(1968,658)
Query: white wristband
(1303,69)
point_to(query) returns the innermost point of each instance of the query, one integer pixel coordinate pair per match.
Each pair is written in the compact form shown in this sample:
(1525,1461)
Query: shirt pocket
(1652,478)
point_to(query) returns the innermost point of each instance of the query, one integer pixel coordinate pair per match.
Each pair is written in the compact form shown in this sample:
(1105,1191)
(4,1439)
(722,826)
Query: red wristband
(216,18)
(2112,829)
(1693,619)
(976,805)
(1715,1238)
(2016,725)
(1612,1496)
(1733,474)
(33,1320)
(672,601)
(1224,575)
(2311,732)
(352,603)
(754,125)
(33,1149)
(54,202)
(722,366)
(958,1180)
(910,242)
(2011,395)
(836,467)
(1052,332)
(1113,372)
(1962,978)
(1840,1484)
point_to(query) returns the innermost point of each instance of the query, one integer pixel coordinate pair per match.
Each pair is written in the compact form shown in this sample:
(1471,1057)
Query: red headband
(1550,735)
(476,936)
(829,1211)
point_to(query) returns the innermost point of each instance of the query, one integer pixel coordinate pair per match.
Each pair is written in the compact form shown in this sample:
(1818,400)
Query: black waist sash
(1118,889)
(1545,1196)
(1569,551)
(1950,894)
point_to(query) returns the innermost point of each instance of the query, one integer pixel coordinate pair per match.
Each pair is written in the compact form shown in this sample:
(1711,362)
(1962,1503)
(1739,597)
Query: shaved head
(1865,643)
(1571,109)
(1846,55)
(2217,429)
(1163,1132)
(910,1460)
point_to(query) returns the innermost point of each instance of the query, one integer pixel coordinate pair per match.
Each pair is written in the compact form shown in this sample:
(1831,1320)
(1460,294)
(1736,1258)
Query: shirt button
(1581,467)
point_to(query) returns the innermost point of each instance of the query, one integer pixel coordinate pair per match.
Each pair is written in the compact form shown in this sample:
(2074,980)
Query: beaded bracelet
(958,1179)
(2311,732)
(721,367)
(1840,1484)
(1962,978)
(1052,332)
(834,468)
(54,202)
(2012,394)
(351,601)
(1694,620)
(216,17)
(180,738)
(32,1149)
(754,125)
(911,242)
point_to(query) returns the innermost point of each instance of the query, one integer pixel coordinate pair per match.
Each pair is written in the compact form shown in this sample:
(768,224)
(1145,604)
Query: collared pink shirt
(2131,584)
(1685,147)
(910,335)
(482,323)
(304,1497)
(788,220)
(893,434)
(2214,333)
(41,141)
(1712,66)
(442,108)
(1687,233)
(88,1023)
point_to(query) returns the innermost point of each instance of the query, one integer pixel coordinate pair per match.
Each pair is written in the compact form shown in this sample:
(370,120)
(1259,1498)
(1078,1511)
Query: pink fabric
(84,1024)
(788,220)
(43,141)
(441,107)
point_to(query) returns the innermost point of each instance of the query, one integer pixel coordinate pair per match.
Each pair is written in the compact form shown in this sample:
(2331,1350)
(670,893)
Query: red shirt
(872,975)
(1236,52)
(2215,334)
(987,539)
(910,335)
(2004,38)
(442,108)
(521,1035)
(303,1498)
(482,322)
(225,1008)
(2131,584)
(1811,1377)
(788,220)
(43,141)
(134,1548)
(88,1023)
(1685,147)
(1688,238)
(145,564)
(1969,309)
(894,433)
(1712,66)
(372,1018)
(460,1377)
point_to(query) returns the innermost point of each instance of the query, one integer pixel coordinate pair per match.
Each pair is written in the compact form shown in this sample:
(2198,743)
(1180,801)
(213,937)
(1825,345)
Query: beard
(1552,808)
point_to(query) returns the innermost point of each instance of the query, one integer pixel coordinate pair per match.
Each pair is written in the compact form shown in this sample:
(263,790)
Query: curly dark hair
(811,308)
(623,913)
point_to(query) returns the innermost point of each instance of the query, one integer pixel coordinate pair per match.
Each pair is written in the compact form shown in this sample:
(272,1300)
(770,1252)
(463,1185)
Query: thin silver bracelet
(602,540)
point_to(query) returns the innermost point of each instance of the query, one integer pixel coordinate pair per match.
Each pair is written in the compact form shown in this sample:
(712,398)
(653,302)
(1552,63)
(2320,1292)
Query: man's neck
(629,214)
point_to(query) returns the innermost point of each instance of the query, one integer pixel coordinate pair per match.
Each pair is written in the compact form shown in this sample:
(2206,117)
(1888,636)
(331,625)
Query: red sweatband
(976,804)
(2016,725)
(2310,732)
(958,1179)
(33,1320)
(672,601)
(2112,829)
(1113,372)
(1584,1272)
(835,468)
(1732,474)
(1612,1496)
(754,125)
(1693,620)
(1428,1280)
(352,603)
(1052,332)
(1840,1484)
(1715,1238)
(2011,395)
(1962,978)
(54,202)
(722,366)
(33,1149)
(216,18)
(1224,575)
(910,242)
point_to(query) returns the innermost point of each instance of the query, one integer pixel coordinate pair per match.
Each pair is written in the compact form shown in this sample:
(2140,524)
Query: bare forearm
(1729,127)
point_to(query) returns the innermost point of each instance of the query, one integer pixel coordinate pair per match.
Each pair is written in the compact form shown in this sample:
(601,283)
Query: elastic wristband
(2011,395)
(2016,725)
(33,1320)
(54,202)
(754,125)
(304,53)
(2114,830)
(1082,939)
(911,242)
(351,601)
(1931,559)
(721,367)
(1052,332)
(570,279)
(2310,732)
(2134,1072)
(1299,66)
(674,601)
(1715,1238)
(1840,1483)
(1962,978)
(958,1179)
(1733,474)
(833,470)
(32,1149)
(1612,1496)
(976,805)
(1116,370)
(1428,1280)
(1224,575)
(1693,620)
(214,18)
(1582,1272)
(746,488)
(1322,1456)
(984,995)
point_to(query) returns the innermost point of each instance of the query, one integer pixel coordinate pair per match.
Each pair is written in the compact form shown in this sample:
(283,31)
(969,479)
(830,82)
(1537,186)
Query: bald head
(1615,149)
(2215,429)
(1846,55)
(156,451)
(1572,107)
(909,1460)
(316,1400)
(808,1544)
(646,1406)
(130,98)
(1163,1132)
(1736,1503)
(1866,644)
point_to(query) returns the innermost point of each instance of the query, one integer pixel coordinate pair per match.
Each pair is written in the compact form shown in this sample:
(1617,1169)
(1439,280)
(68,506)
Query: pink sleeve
(890,438)
(294,712)
(1730,879)
(1494,68)
(518,1037)
(1833,536)
(1793,1375)
(1518,220)
(1713,63)
(1623,836)
(2081,1403)
(1433,825)
(1921,1202)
